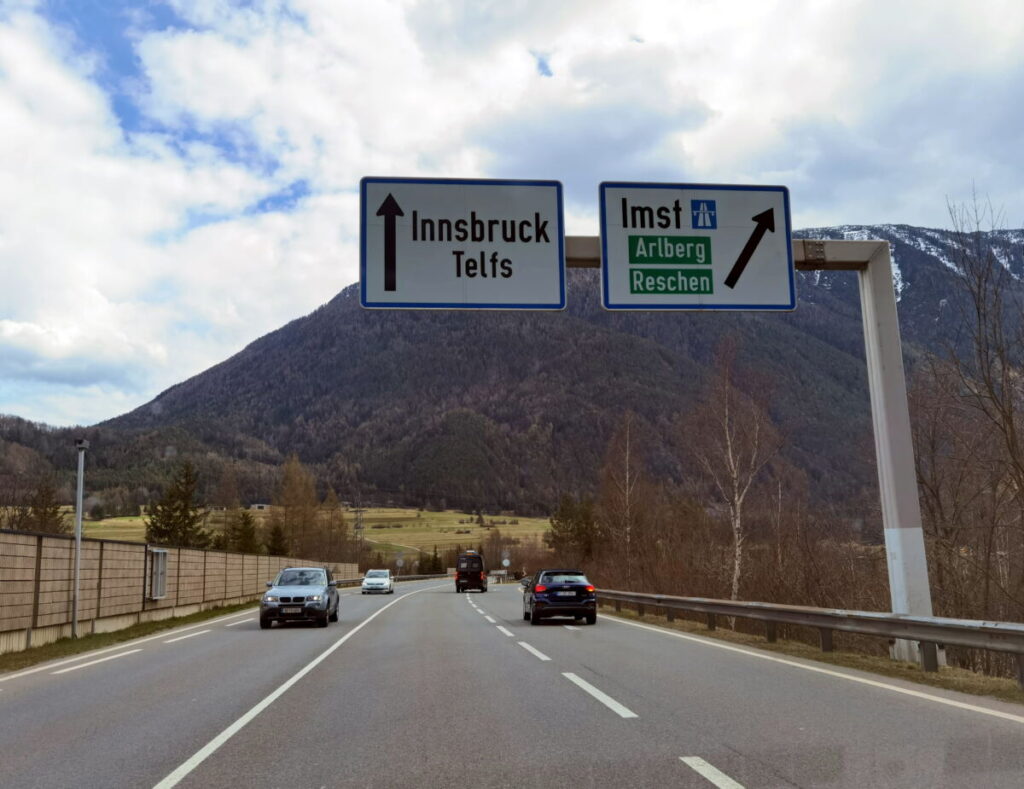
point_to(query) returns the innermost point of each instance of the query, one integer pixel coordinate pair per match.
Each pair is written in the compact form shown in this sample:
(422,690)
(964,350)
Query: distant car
(300,594)
(559,593)
(470,572)
(378,582)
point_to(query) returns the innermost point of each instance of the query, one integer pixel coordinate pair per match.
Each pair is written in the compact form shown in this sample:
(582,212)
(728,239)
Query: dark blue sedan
(559,593)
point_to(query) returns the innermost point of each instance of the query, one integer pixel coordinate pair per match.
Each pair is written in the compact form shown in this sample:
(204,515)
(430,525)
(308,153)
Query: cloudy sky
(179,177)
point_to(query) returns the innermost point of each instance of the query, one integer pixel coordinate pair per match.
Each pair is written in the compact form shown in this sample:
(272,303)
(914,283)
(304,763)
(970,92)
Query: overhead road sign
(696,247)
(461,244)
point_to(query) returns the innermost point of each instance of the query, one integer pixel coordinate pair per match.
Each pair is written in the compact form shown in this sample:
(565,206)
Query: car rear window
(564,578)
(470,563)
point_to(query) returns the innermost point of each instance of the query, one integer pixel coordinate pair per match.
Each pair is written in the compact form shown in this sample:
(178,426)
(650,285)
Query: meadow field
(389,530)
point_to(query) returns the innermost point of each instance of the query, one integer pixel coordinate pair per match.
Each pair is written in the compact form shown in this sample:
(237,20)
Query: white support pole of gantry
(897,478)
(909,590)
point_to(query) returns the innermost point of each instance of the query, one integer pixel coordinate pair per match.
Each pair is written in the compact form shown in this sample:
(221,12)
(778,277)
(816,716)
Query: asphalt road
(432,688)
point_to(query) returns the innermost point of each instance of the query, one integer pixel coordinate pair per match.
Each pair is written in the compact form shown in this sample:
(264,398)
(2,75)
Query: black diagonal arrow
(389,209)
(765,222)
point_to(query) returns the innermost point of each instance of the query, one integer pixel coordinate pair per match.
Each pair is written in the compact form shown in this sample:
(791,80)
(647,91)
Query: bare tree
(988,364)
(624,497)
(732,438)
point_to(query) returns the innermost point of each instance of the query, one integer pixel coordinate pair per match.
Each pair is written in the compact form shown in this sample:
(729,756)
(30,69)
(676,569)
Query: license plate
(296,610)
(566,594)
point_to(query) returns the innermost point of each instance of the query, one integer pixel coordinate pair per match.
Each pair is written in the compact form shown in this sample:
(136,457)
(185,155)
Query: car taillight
(540,588)
(590,588)
(456,575)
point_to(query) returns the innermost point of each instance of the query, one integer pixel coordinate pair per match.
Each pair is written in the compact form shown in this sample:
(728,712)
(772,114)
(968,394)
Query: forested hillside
(511,409)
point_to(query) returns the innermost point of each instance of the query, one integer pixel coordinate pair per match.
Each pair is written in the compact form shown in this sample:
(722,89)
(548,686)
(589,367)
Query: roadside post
(81,444)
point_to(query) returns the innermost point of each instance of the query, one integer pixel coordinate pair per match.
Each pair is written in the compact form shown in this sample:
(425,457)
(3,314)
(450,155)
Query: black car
(300,594)
(559,593)
(470,572)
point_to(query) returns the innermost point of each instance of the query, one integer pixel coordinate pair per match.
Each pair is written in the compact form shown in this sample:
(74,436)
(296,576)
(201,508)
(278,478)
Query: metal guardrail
(929,631)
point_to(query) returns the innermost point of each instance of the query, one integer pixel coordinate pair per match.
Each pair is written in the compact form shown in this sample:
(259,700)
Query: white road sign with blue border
(696,247)
(461,244)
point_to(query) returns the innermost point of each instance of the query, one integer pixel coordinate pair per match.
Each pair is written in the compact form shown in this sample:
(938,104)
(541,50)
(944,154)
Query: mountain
(511,409)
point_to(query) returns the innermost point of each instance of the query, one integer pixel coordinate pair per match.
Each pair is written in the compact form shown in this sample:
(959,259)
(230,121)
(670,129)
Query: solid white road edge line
(862,680)
(604,698)
(490,619)
(534,651)
(712,773)
(94,662)
(242,622)
(182,638)
(211,747)
(570,627)
(87,655)
(505,630)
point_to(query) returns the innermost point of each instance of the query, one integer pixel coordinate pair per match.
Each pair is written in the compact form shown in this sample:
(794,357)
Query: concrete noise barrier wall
(37,584)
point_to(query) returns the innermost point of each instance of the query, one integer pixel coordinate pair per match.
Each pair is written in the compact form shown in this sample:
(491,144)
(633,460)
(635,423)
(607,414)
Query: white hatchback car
(379,581)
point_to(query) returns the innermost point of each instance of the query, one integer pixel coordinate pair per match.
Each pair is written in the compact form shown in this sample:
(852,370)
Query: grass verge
(947,677)
(68,647)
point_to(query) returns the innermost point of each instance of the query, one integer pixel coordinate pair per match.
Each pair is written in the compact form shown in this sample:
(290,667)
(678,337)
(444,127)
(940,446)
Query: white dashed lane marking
(619,709)
(534,651)
(709,771)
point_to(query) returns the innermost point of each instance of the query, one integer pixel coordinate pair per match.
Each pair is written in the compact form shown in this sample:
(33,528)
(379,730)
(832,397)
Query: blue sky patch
(107,30)
(283,199)
(543,66)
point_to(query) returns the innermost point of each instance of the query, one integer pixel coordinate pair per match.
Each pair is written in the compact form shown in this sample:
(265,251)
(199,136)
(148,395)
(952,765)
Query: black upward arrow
(765,222)
(389,209)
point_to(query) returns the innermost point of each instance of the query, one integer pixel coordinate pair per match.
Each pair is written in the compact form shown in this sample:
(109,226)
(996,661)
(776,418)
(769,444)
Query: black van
(470,572)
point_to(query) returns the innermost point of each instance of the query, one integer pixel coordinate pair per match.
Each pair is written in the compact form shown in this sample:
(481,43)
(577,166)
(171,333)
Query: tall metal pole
(897,478)
(82,445)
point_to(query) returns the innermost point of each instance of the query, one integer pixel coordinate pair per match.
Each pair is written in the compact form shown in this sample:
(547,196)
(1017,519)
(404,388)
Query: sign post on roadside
(696,247)
(434,243)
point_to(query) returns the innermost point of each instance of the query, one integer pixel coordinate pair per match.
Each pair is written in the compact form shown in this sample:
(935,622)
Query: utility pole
(82,445)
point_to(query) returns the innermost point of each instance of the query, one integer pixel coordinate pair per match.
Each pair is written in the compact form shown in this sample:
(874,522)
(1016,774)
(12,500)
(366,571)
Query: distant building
(259,507)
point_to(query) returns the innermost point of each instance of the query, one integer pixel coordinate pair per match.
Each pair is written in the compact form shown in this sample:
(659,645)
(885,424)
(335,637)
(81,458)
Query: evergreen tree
(44,513)
(175,519)
(242,533)
(574,530)
(277,544)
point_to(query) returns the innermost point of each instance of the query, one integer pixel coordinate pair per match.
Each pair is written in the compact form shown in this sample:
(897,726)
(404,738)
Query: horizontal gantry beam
(808,255)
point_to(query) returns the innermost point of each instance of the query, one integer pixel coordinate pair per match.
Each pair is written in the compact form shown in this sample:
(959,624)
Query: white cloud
(131,255)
